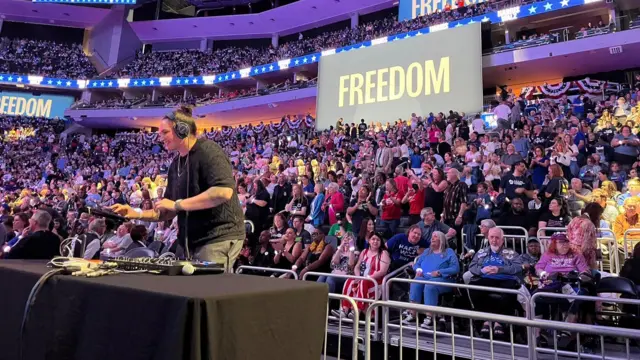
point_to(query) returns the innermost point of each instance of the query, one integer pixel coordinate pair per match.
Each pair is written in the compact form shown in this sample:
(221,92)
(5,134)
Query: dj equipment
(107,214)
(164,266)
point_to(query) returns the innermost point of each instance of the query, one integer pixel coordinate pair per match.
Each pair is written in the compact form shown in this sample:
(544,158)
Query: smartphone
(415,187)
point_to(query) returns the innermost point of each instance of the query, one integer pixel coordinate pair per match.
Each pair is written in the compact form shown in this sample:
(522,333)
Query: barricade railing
(387,326)
(585,298)
(241,268)
(393,274)
(521,294)
(627,241)
(508,237)
(376,289)
(511,238)
(602,299)
(543,238)
(611,246)
(339,332)
(511,350)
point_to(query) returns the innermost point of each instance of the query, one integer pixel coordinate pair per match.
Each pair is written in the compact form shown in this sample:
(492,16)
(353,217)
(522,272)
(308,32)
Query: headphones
(181,129)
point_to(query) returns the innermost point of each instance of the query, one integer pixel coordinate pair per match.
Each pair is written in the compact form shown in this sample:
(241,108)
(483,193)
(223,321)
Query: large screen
(26,104)
(411,9)
(440,71)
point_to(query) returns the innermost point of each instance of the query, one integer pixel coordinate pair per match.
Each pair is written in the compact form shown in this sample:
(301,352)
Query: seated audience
(342,263)
(498,267)
(316,257)
(40,243)
(372,263)
(436,264)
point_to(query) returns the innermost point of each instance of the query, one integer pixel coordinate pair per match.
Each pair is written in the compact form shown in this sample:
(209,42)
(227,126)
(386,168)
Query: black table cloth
(143,316)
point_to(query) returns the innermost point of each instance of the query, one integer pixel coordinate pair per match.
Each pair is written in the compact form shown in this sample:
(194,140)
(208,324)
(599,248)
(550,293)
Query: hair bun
(186,110)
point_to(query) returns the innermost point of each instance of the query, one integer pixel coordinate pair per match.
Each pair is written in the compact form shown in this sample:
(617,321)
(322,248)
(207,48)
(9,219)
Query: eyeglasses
(315,234)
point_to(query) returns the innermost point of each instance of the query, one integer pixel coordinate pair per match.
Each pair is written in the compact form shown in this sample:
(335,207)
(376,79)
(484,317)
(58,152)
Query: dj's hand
(165,204)
(124,210)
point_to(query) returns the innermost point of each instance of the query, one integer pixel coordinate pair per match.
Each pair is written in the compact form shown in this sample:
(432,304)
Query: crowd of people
(369,198)
(195,62)
(45,58)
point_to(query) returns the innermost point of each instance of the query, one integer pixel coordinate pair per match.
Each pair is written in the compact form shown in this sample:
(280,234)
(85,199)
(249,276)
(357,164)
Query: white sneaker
(409,319)
(427,323)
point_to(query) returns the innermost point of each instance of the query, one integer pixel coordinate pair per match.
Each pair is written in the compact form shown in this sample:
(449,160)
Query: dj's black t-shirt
(207,167)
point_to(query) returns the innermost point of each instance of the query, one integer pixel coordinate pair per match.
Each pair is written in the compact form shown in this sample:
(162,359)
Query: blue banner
(26,104)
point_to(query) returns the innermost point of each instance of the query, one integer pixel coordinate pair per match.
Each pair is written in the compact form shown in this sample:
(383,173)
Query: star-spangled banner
(516,12)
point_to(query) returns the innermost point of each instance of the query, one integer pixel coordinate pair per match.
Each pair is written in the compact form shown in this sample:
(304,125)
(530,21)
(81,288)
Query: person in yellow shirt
(275,164)
(628,220)
(301,167)
(315,166)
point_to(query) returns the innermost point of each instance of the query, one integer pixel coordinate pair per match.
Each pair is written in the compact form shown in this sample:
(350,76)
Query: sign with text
(411,9)
(26,104)
(388,81)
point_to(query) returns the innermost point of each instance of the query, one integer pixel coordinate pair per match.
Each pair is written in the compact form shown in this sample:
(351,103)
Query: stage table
(144,316)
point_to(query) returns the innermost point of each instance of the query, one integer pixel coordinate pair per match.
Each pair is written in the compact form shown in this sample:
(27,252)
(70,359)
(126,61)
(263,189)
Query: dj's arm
(214,196)
(161,214)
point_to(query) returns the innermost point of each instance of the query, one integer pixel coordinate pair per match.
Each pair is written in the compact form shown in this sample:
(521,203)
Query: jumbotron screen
(439,71)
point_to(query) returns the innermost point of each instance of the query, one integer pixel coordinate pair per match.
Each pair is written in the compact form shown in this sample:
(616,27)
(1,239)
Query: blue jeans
(428,293)
(335,284)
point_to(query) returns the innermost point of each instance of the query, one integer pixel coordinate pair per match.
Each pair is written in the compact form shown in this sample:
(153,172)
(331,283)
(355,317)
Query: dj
(200,191)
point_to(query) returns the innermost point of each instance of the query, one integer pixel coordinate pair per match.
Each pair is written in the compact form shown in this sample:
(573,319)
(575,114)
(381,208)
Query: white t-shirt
(502,111)
(478,126)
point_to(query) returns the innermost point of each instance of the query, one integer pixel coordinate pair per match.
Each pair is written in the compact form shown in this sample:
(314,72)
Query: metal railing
(495,349)
(544,239)
(626,249)
(612,251)
(510,238)
(520,294)
(595,299)
(339,332)
(376,289)
(241,268)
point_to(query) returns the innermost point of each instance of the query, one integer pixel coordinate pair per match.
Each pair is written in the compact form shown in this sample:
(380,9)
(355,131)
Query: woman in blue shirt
(539,167)
(436,264)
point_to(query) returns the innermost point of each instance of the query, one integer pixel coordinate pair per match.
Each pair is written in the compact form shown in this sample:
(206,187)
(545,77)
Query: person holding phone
(415,197)
(287,251)
(362,207)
